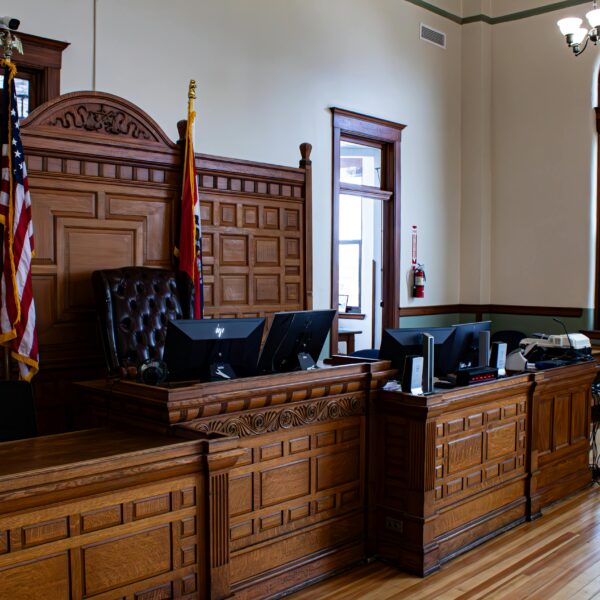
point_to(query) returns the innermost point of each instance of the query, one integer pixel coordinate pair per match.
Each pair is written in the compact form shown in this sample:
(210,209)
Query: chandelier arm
(587,41)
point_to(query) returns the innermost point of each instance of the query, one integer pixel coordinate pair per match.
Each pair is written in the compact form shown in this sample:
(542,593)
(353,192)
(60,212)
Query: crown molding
(524,14)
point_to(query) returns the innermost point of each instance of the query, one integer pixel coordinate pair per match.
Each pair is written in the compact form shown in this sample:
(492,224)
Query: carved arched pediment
(97,113)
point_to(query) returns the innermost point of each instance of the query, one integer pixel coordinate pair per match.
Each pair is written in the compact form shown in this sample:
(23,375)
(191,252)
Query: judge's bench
(257,486)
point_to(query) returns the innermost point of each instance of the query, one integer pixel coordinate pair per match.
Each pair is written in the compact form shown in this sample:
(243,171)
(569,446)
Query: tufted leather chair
(134,305)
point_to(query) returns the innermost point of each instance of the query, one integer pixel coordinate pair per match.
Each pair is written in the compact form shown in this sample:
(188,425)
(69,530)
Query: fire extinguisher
(419,280)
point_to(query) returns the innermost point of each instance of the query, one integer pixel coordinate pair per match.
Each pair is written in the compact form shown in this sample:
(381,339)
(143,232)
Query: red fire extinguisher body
(419,281)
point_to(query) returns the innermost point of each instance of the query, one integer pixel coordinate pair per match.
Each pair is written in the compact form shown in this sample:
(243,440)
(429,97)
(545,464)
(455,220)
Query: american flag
(17,308)
(190,236)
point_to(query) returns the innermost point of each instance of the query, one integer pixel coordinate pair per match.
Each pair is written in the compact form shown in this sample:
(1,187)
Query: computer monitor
(295,340)
(212,349)
(397,344)
(465,345)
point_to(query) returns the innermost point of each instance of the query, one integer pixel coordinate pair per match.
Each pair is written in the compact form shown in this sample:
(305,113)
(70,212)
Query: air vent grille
(433,36)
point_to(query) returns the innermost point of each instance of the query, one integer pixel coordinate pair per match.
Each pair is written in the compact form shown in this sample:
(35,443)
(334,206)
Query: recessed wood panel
(292,292)
(286,482)
(42,533)
(159,592)
(84,249)
(207,245)
(502,440)
(234,289)
(149,507)
(292,220)
(102,518)
(228,215)
(126,560)
(44,292)
(33,580)
(561,421)
(266,251)
(337,468)
(579,409)
(464,453)
(543,433)
(271,218)
(266,289)
(234,250)
(250,216)
(240,495)
(292,248)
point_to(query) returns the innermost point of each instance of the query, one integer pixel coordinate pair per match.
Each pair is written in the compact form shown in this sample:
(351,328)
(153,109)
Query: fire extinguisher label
(419,280)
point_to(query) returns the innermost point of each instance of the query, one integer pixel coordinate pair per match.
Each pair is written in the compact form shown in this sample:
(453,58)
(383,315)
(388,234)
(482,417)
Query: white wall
(544,165)
(267,72)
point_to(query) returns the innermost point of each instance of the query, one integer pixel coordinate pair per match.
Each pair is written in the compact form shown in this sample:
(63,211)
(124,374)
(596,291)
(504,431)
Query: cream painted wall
(268,71)
(66,20)
(476,208)
(544,165)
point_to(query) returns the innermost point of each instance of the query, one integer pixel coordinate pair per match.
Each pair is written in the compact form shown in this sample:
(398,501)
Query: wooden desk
(348,336)
(105,514)
(459,466)
(294,504)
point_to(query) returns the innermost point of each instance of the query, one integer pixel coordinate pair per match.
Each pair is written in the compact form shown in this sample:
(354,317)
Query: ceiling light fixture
(575,34)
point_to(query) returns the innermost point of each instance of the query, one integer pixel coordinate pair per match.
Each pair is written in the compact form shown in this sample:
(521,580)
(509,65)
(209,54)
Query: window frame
(367,130)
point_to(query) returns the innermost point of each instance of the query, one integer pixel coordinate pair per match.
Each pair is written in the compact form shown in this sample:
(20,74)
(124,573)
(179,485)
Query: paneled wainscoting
(554,558)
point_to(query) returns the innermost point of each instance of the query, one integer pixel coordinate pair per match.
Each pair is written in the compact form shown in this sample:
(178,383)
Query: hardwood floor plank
(556,557)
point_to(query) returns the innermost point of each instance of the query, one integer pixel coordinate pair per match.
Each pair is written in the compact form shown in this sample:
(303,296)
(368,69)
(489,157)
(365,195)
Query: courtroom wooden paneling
(561,412)
(105,185)
(297,496)
(452,470)
(104,514)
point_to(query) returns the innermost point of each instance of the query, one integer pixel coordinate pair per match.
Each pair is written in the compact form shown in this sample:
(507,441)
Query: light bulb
(569,25)
(579,36)
(594,17)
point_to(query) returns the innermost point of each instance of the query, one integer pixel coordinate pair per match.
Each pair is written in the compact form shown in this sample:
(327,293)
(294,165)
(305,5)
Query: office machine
(212,349)
(465,350)
(295,340)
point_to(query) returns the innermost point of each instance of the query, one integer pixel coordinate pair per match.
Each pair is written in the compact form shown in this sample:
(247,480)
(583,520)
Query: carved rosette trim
(115,122)
(289,417)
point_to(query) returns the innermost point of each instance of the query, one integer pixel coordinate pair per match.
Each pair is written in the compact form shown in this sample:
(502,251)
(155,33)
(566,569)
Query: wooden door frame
(389,136)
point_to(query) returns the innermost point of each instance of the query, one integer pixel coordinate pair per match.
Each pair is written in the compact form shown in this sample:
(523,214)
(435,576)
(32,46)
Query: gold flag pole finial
(192,90)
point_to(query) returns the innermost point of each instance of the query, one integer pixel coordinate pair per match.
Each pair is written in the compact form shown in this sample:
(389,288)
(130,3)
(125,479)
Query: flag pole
(8,41)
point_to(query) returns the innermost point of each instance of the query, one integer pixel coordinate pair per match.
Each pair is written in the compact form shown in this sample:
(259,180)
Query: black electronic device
(212,349)
(464,352)
(471,375)
(397,344)
(295,340)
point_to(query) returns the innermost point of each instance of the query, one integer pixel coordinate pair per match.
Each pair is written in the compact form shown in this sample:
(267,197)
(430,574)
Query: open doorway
(365,284)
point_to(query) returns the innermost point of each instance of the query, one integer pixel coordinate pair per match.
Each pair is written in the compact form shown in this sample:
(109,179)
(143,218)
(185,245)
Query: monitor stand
(306,362)
(222,372)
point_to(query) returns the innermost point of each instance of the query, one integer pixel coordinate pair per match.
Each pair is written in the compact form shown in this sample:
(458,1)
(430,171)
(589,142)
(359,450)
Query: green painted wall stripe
(437,11)
(532,12)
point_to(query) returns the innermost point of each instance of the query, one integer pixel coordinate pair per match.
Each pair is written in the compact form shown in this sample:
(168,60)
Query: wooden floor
(556,557)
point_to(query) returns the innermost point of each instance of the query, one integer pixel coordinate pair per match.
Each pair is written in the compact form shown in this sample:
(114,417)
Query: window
(23,89)
(365,269)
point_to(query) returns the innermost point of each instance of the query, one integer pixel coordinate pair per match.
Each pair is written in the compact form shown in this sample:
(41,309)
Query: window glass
(360,164)
(22,87)
(349,276)
(350,217)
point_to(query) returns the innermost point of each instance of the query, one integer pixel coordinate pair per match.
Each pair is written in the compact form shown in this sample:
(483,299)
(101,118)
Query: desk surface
(74,449)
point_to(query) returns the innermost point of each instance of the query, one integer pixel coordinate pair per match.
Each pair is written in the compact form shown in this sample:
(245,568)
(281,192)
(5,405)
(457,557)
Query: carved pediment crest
(101,118)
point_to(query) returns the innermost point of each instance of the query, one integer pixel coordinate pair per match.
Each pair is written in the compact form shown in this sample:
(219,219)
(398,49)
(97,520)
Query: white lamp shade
(569,25)
(579,35)
(594,17)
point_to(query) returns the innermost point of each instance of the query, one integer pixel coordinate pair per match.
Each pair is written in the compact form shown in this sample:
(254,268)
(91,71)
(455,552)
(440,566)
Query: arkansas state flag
(190,236)
(17,309)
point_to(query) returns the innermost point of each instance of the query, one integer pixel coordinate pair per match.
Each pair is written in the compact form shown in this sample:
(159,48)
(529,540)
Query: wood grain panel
(104,567)
(46,577)
(106,195)
(284,483)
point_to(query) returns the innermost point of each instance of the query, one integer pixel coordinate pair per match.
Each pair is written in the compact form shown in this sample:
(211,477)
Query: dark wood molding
(502,309)
(389,136)
(41,62)
(357,316)
(597,282)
